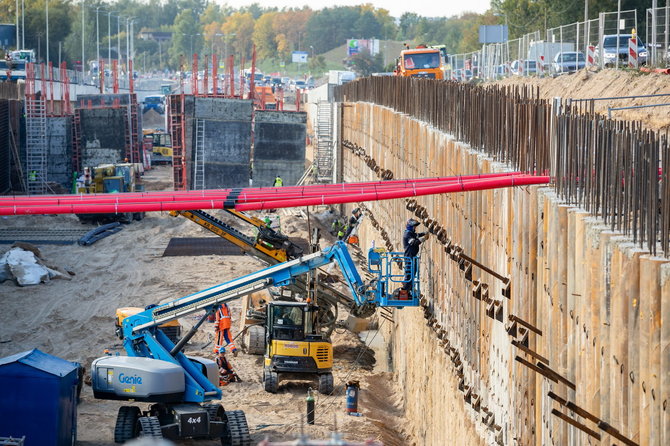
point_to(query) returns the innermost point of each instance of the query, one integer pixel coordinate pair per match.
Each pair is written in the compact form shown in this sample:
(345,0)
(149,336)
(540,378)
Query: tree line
(203,27)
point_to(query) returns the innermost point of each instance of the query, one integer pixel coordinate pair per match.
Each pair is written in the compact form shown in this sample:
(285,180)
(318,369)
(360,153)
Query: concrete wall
(59,142)
(102,136)
(279,147)
(5,148)
(597,299)
(227,140)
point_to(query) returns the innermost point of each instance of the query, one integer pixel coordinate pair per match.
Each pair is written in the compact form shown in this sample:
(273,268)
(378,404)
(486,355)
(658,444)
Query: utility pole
(17,24)
(97,35)
(47,16)
(83,51)
(109,37)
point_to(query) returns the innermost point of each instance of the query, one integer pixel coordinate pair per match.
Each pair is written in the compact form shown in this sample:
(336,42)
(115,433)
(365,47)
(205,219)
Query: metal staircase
(199,163)
(324,142)
(36,146)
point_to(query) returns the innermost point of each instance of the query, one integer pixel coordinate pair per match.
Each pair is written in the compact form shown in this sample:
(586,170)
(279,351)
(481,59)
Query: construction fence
(534,53)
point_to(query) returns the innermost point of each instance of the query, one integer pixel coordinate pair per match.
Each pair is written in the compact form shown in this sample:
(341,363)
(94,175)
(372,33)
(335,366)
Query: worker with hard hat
(411,241)
(226,373)
(222,330)
(278,182)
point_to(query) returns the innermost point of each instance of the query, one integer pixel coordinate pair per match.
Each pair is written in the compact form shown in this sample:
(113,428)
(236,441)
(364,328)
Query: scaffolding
(177,133)
(36,136)
(199,163)
(324,142)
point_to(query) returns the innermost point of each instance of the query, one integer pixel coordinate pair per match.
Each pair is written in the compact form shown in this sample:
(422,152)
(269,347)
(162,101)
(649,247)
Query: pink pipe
(473,185)
(116,199)
(221,193)
(243,196)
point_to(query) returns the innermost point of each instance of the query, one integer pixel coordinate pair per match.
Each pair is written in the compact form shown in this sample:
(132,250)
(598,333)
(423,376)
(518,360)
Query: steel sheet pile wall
(581,322)
(227,141)
(279,147)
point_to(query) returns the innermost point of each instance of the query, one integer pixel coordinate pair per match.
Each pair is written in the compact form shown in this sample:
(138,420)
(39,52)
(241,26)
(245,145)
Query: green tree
(317,64)
(186,38)
(265,36)
(364,64)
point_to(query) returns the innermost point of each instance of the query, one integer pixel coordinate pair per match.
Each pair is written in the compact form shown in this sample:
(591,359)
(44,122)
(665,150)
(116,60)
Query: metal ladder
(199,165)
(36,146)
(324,142)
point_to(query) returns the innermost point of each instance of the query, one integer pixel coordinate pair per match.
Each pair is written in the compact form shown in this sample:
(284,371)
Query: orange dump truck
(420,62)
(265,98)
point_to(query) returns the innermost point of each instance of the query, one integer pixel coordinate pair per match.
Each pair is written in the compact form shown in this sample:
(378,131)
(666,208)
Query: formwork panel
(279,147)
(227,140)
(5,156)
(59,143)
(102,142)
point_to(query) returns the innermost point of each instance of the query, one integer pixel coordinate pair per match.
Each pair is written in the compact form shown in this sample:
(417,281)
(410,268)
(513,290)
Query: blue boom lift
(182,387)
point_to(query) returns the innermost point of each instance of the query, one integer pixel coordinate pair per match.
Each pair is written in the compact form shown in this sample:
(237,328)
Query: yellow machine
(161,146)
(172,329)
(294,347)
(110,179)
(269,244)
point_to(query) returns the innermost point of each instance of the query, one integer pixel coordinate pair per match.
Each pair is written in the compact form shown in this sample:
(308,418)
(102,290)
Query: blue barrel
(352,396)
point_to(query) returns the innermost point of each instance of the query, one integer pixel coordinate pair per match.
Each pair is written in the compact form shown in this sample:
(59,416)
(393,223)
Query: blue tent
(38,398)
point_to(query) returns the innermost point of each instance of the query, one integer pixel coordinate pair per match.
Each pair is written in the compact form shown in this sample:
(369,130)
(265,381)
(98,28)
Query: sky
(425,8)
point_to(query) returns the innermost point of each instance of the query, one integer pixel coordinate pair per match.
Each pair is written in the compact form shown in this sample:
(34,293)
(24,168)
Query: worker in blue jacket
(411,241)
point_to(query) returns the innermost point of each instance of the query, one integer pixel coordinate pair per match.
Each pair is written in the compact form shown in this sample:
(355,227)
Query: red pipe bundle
(245,199)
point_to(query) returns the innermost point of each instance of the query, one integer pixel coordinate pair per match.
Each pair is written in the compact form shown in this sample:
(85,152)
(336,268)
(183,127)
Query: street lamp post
(97,34)
(83,41)
(47,30)
(109,36)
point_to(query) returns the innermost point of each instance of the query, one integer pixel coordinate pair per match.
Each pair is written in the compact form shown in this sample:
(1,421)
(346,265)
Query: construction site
(532,314)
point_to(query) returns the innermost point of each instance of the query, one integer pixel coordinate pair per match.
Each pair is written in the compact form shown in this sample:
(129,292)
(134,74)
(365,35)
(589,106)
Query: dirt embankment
(609,83)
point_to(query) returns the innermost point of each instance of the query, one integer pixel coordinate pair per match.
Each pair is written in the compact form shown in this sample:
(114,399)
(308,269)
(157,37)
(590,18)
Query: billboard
(299,57)
(493,34)
(355,46)
(7,35)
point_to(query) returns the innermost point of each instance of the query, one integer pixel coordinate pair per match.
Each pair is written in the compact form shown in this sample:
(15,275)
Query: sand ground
(74,320)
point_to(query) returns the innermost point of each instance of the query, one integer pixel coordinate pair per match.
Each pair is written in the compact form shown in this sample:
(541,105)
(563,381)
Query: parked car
(501,71)
(611,51)
(299,85)
(524,67)
(154,102)
(568,62)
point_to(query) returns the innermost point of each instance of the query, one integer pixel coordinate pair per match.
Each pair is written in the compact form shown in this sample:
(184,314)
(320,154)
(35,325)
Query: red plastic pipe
(84,208)
(277,194)
(241,195)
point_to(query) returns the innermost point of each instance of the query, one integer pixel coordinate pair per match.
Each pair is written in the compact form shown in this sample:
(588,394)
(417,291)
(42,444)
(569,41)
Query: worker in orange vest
(222,330)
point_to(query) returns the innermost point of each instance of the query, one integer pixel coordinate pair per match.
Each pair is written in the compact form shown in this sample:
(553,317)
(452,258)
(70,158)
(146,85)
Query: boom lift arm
(143,339)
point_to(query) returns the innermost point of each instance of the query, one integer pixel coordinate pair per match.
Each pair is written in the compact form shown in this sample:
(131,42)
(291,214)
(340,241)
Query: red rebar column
(51,88)
(194,76)
(205,78)
(115,76)
(65,84)
(231,75)
(45,86)
(101,72)
(297,99)
(215,76)
(242,78)
(252,80)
